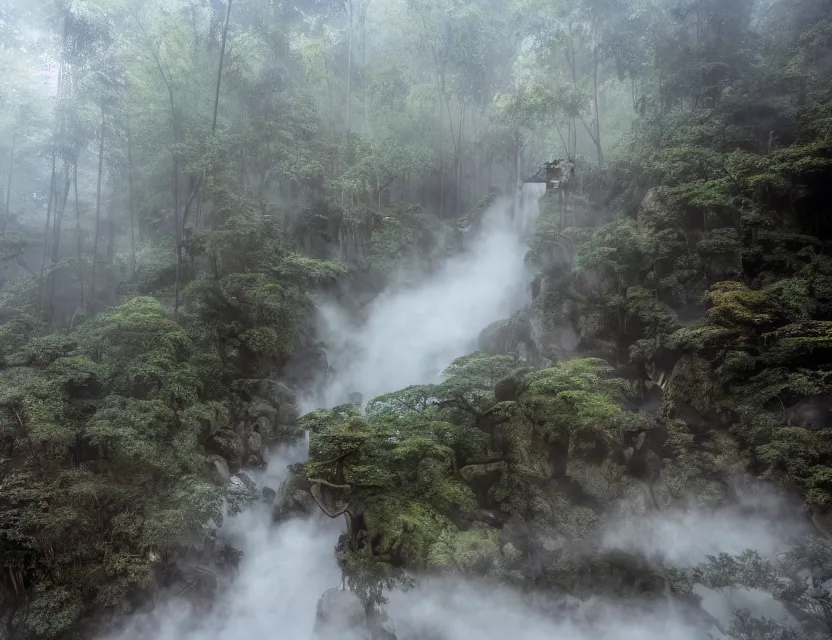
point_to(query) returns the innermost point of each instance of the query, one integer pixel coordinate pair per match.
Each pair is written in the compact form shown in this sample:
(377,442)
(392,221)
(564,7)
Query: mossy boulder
(510,388)
(691,384)
(228,444)
(482,479)
(509,337)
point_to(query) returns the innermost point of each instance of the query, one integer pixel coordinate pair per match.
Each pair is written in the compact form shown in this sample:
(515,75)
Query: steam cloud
(411,335)
(286,569)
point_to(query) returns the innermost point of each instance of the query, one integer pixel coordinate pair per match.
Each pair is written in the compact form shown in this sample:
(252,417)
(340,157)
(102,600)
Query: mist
(177,180)
(413,332)
(410,336)
(283,572)
(286,569)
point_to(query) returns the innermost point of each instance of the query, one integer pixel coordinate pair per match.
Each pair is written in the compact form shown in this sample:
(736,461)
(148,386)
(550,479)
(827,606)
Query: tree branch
(330,484)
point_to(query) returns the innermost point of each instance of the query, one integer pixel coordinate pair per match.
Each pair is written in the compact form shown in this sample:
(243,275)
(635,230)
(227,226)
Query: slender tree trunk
(180,224)
(348,10)
(79,241)
(476,161)
(328,81)
(595,64)
(518,152)
(363,19)
(8,212)
(175,131)
(573,67)
(49,205)
(45,286)
(49,302)
(177,232)
(110,282)
(441,145)
(459,163)
(457,140)
(97,231)
(219,72)
(130,196)
(348,7)
(199,202)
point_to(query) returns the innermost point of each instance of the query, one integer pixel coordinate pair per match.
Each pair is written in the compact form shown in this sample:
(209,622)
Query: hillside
(225,227)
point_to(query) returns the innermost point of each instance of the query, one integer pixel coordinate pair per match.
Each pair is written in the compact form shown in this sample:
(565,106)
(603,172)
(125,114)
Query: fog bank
(414,332)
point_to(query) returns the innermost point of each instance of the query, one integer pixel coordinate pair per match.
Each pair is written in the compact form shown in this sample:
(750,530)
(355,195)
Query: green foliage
(424,461)
(468,387)
(104,465)
(406,237)
(575,395)
(19,320)
(474,551)
(794,578)
(717,197)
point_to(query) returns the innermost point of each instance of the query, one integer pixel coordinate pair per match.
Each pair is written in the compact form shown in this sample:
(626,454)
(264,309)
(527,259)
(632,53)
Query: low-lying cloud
(414,332)
(450,609)
(286,569)
(283,572)
(764,522)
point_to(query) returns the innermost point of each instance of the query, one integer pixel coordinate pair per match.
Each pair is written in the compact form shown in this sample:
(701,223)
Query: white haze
(411,335)
(286,569)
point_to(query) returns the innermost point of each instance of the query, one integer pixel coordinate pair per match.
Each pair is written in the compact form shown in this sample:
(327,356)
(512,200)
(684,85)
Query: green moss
(476,551)
(405,530)
(475,473)
(692,382)
(735,304)
(575,522)
(807,341)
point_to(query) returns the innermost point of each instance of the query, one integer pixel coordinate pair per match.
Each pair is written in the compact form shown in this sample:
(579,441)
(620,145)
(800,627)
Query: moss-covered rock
(691,384)
(477,551)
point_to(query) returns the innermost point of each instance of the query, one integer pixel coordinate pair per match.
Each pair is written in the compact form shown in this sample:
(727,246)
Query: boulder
(269,495)
(242,485)
(508,337)
(271,409)
(246,480)
(340,616)
(482,477)
(294,498)
(381,627)
(218,470)
(255,443)
(228,444)
(287,406)
(517,533)
(255,450)
(306,366)
(512,386)
(814,412)
(691,389)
